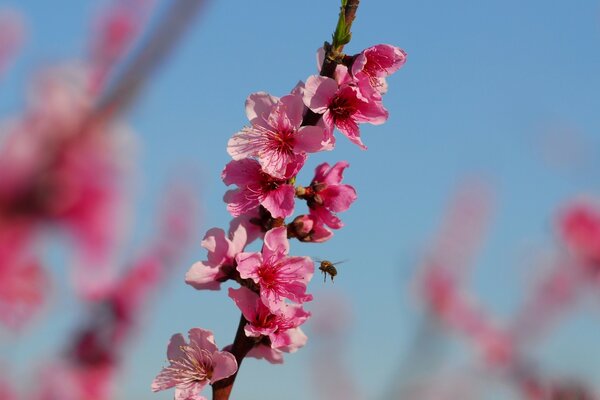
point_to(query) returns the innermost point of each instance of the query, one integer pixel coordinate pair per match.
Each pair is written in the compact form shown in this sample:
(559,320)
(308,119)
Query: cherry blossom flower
(326,195)
(222,250)
(194,365)
(256,188)
(344,106)
(278,275)
(276,136)
(281,326)
(378,62)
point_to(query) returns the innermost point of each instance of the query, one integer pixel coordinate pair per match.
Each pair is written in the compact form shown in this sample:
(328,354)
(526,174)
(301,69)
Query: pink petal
(163,381)
(294,109)
(372,112)
(265,352)
(339,197)
(174,348)
(203,277)
(258,108)
(252,231)
(336,173)
(299,268)
(326,217)
(276,243)
(241,172)
(248,264)
(280,202)
(238,202)
(321,172)
(311,139)
(246,300)
(217,245)
(281,165)
(290,341)
(318,93)
(225,365)
(350,129)
(191,392)
(203,338)
(243,144)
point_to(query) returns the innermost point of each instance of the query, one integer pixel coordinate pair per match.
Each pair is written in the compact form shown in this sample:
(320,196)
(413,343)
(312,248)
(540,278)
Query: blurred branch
(159,45)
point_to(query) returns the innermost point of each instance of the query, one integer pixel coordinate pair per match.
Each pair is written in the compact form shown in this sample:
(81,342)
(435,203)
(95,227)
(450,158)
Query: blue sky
(484,85)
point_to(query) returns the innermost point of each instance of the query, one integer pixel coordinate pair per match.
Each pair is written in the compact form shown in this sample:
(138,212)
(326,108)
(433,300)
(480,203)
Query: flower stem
(334,52)
(242,344)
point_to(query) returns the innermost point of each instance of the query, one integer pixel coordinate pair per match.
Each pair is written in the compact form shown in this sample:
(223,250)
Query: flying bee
(328,268)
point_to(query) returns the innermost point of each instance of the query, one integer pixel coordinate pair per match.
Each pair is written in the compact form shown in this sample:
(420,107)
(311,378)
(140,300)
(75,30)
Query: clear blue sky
(484,84)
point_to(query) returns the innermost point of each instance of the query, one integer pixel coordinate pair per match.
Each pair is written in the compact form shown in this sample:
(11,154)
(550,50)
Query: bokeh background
(501,92)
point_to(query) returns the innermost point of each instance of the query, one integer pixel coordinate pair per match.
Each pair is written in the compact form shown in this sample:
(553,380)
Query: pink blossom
(58,166)
(344,106)
(281,326)
(194,365)
(222,250)
(278,275)
(378,62)
(276,136)
(256,188)
(326,195)
(579,226)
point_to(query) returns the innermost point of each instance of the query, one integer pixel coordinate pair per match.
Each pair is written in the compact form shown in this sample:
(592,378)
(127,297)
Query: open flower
(255,188)
(281,326)
(276,137)
(222,250)
(279,276)
(194,365)
(344,106)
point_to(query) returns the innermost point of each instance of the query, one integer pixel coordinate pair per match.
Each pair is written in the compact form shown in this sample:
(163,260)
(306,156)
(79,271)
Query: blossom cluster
(63,166)
(266,158)
(504,345)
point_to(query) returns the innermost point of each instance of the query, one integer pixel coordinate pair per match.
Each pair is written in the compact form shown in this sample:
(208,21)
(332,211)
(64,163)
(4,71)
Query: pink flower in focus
(256,188)
(276,136)
(281,326)
(327,196)
(221,258)
(378,62)
(194,365)
(344,106)
(579,226)
(279,276)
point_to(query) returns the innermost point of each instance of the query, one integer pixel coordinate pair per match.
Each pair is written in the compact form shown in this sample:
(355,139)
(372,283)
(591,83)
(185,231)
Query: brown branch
(242,344)
(333,56)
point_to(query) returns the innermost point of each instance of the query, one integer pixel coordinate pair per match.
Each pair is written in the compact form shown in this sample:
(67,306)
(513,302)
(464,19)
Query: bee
(328,268)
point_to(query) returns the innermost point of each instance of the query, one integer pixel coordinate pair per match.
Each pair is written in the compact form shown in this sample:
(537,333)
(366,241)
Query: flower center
(195,365)
(341,108)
